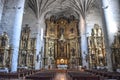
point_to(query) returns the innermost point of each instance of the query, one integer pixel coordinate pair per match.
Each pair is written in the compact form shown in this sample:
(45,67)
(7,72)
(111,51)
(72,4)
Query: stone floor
(64,76)
(61,76)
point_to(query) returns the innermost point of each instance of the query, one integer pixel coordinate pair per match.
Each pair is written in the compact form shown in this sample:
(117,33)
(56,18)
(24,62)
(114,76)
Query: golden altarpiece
(96,48)
(5,51)
(62,45)
(116,51)
(27,49)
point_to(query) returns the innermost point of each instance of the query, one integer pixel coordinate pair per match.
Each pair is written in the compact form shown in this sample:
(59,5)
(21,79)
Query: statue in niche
(99,32)
(52,30)
(50,52)
(89,42)
(24,56)
(73,61)
(100,56)
(73,51)
(49,60)
(118,35)
(93,55)
(94,32)
(51,47)
(72,30)
(61,31)
(25,36)
(1,59)
(72,17)
(52,18)
(4,39)
(51,43)
(7,61)
(61,48)
(25,41)
(95,42)
(31,57)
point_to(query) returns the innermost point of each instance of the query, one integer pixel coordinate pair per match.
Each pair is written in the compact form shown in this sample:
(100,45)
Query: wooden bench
(43,75)
(106,74)
(82,76)
(11,75)
(16,75)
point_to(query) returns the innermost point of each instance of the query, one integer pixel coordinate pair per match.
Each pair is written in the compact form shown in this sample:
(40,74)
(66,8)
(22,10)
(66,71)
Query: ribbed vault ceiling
(61,7)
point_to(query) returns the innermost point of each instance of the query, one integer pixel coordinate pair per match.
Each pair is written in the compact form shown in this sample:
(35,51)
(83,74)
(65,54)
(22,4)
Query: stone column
(1,8)
(83,41)
(111,18)
(1,11)
(38,42)
(16,33)
(42,45)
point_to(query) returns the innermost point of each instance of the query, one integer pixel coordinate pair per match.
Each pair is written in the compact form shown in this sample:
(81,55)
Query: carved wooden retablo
(27,49)
(62,45)
(96,48)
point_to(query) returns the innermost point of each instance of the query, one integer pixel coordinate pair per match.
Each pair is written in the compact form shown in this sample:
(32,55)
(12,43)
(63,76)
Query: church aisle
(61,76)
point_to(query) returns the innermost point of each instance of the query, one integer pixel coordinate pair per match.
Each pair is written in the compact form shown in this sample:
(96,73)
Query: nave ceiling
(61,7)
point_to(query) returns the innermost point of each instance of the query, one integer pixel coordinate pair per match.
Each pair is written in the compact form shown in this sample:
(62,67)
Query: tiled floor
(61,76)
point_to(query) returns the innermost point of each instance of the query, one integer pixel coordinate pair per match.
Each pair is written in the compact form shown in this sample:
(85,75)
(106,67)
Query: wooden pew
(11,75)
(106,74)
(77,75)
(16,75)
(39,77)
(43,75)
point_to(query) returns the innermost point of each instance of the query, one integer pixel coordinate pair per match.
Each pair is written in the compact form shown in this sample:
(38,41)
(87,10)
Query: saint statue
(61,31)
(100,56)
(1,59)
(4,39)
(73,51)
(99,32)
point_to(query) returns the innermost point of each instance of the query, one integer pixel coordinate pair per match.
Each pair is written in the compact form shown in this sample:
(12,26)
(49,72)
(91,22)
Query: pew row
(77,75)
(17,75)
(106,74)
(43,75)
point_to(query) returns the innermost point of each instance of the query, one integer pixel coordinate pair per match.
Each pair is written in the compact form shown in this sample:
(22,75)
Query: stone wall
(94,17)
